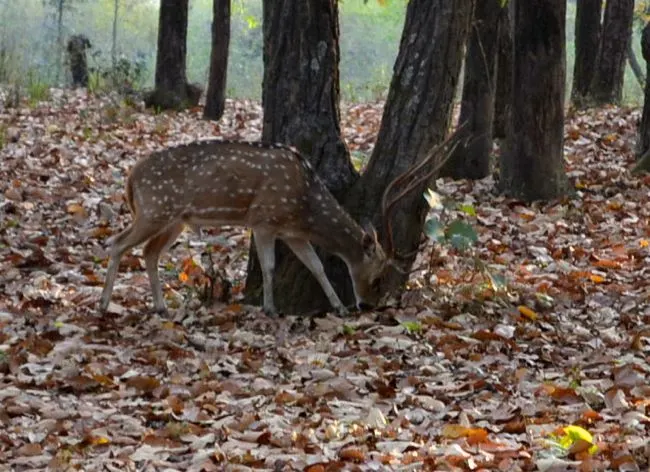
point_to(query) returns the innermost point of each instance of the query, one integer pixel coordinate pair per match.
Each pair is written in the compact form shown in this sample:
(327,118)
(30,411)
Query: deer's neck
(334,230)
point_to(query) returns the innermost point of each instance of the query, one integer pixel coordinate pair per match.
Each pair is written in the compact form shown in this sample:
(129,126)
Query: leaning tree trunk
(635,65)
(532,168)
(416,116)
(503,98)
(215,99)
(643,144)
(587,40)
(172,90)
(472,160)
(301,107)
(607,84)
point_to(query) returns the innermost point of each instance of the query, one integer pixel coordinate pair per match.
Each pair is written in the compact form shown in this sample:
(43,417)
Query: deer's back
(221,182)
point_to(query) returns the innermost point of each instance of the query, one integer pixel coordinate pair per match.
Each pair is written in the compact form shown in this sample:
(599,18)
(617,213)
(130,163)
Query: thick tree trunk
(532,167)
(215,99)
(607,84)
(171,88)
(301,108)
(472,160)
(416,116)
(503,99)
(643,145)
(587,41)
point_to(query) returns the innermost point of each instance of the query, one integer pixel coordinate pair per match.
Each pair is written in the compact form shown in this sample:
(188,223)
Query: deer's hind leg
(139,232)
(152,250)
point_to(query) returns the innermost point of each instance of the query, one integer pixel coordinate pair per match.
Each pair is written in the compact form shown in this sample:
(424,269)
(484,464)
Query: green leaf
(461,235)
(412,327)
(434,229)
(468,209)
(252,22)
(348,330)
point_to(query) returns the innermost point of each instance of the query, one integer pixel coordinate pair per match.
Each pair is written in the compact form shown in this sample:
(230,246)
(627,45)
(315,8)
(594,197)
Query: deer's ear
(369,238)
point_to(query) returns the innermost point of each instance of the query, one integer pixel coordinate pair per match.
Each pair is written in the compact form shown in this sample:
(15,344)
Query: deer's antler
(410,180)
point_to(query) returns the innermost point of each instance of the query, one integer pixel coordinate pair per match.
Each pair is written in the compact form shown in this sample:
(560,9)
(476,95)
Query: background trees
(532,166)
(216,94)
(601,51)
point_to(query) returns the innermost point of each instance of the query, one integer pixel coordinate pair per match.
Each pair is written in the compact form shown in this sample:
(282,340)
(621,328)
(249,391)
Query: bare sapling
(271,189)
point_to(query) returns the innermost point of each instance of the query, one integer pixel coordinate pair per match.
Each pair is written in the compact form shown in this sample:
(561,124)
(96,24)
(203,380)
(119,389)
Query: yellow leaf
(644,243)
(183,277)
(527,312)
(577,436)
(596,278)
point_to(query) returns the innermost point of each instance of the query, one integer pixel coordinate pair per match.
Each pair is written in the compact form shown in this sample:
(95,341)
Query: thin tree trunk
(635,65)
(532,167)
(472,161)
(116,4)
(587,41)
(503,98)
(59,39)
(643,144)
(301,107)
(216,96)
(607,84)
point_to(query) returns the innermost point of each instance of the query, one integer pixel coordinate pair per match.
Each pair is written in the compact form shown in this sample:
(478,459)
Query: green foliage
(37,89)
(412,327)
(458,233)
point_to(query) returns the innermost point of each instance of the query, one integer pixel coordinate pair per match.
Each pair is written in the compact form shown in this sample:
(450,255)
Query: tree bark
(643,144)
(116,5)
(503,99)
(472,160)
(215,99)
(416,117)
(635,65)
(301,108)
(587,41)
(607,84)
(172,91)
(532,167)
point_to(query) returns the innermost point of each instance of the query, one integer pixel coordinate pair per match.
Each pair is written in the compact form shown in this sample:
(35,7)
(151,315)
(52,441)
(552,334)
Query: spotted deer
(271,189)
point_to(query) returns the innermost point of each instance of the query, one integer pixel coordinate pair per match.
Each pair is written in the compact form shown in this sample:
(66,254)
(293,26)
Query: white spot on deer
(283,200)
(335,220)
(347,231)
(310,219)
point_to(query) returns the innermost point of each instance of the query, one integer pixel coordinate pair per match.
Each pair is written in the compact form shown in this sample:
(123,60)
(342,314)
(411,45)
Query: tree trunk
(643,145)
(171,88)
(607,84)
(215,99)
(503,99)
(635,65)
(301,107)
(116,6)
(587,41)
(472,161)
(532,167)
(416,116)
(59,38)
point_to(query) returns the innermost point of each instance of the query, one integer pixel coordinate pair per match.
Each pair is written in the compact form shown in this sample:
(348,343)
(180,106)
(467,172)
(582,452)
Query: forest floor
(538,361)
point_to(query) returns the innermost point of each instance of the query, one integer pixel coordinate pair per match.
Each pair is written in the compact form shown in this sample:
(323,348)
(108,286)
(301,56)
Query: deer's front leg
(305,252)
(265,245)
